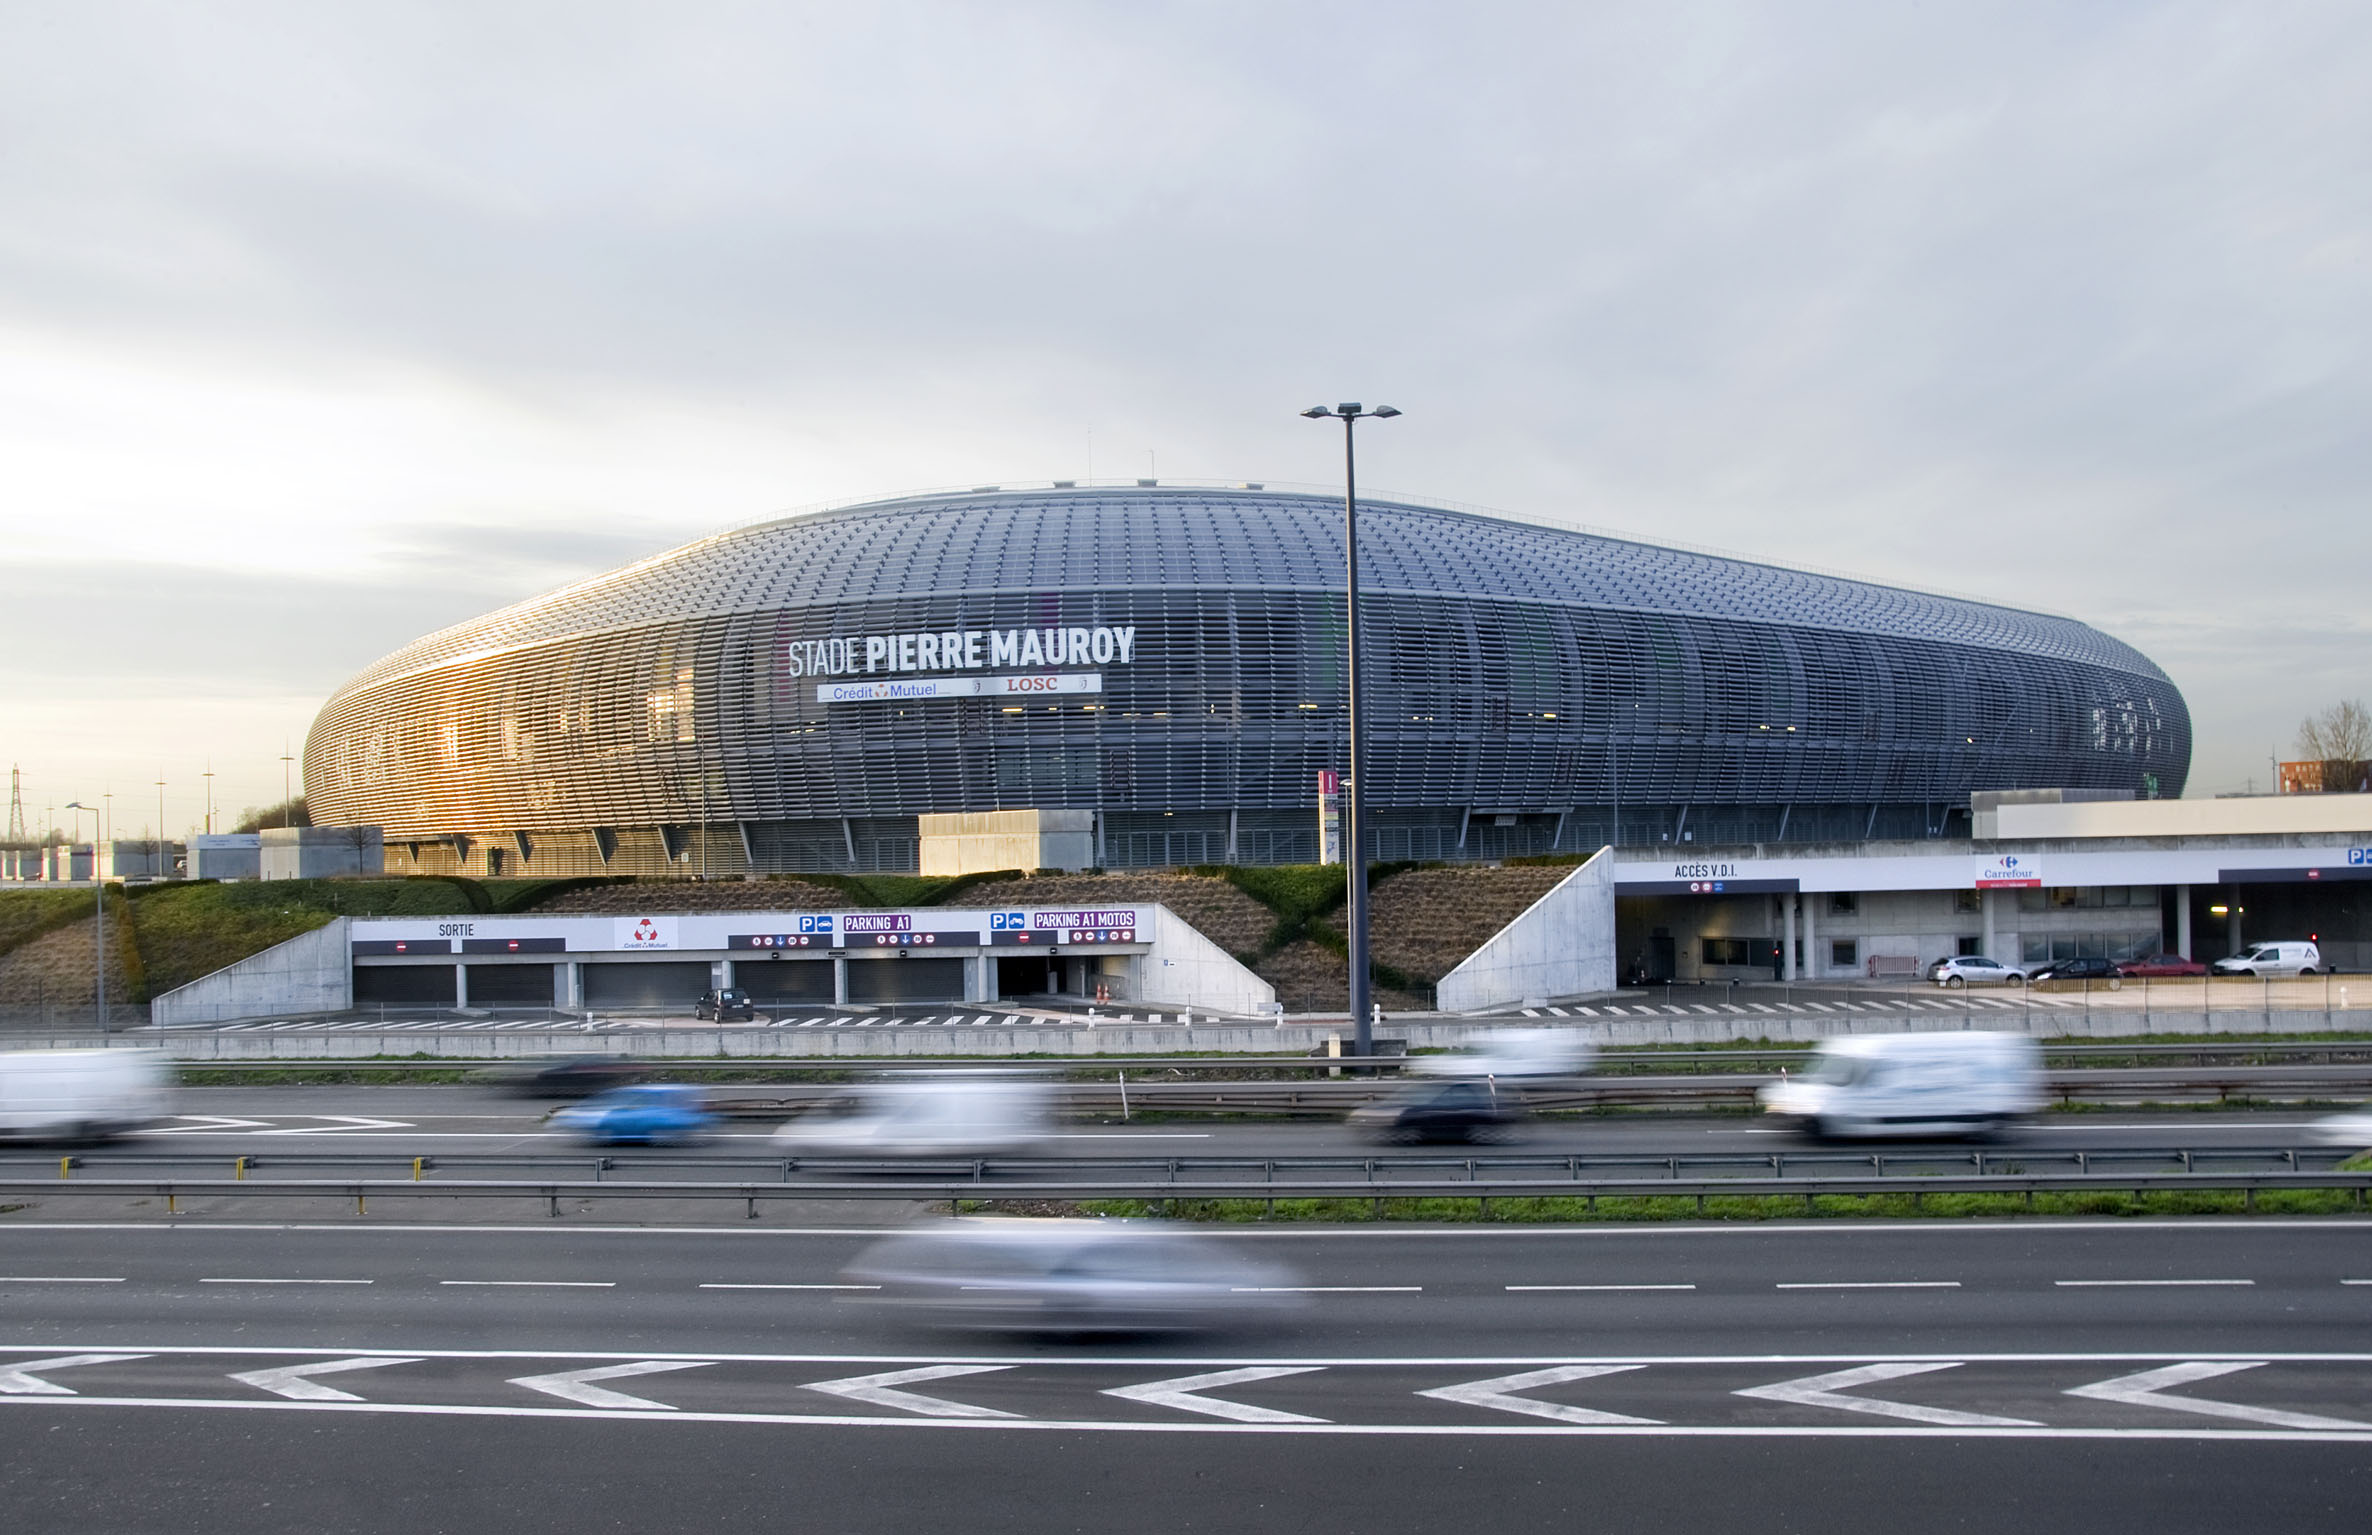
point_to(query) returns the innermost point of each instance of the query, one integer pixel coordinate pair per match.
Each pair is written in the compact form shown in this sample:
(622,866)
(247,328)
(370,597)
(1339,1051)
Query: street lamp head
(1349,409)
(75,804)
(1317,411)
(1382,411)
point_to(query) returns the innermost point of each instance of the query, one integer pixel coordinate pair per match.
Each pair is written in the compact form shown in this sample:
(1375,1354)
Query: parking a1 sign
(2010,871)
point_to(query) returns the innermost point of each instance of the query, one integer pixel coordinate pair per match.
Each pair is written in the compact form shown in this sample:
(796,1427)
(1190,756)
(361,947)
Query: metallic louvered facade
(1530,689)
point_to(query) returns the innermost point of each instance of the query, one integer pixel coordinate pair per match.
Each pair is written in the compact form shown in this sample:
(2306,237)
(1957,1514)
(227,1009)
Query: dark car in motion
(2083,969)
(561,1076)
(1441,1111)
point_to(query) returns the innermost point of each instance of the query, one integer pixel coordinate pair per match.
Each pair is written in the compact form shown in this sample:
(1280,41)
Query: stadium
(1169,659)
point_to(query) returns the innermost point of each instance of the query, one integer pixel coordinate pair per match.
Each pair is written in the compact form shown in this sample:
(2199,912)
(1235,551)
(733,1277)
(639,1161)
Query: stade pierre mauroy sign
(1021,663)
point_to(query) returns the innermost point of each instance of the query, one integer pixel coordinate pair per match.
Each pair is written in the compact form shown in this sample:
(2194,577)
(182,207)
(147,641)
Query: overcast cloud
(323,326)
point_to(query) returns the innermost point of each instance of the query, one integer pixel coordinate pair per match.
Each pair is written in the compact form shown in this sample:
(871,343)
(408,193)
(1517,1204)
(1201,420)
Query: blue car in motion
(651,1114)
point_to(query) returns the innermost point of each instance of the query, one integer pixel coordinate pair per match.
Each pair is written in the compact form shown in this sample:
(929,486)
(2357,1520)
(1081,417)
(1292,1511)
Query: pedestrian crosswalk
(796,1019)
(1886,1006)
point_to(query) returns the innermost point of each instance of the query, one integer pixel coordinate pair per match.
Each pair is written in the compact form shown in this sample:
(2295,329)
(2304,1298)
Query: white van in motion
(929,1114)
(81,1095)
(1962,1083)
(2272,959)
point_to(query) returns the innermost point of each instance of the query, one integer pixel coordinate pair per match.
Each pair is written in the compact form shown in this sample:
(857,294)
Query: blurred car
(2272,959)
(1441,1111)
(2160,967)
(2353,1128)
(1515,1053)
(724,1006)
(1958,1083)
(970,1113)
(1070,1276)
(650,1114)
(563,1076)
(82,1095)
(1967,969)
(2084,968)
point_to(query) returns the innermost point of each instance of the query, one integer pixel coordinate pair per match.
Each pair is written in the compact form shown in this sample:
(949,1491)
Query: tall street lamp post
(1354,822)
(99,919)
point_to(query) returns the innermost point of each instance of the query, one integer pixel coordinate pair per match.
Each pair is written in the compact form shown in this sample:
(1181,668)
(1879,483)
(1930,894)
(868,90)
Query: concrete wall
(322,852)
(226,855)
(1562,946)
(307,974)
(1187,970)
(982,841)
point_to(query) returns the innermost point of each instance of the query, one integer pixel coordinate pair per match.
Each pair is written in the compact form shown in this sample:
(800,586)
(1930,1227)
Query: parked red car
(2159,966)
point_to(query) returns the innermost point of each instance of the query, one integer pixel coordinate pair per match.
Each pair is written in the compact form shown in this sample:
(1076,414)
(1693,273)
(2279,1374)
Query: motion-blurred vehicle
(648,1114)
(1070,1276)
(82,1095)
(956,1114)
(1959,1083)
(725,1006)
(1974,969)
(2353,1128)
(1441,1111)
(2160,967)
(561,1076)
(1515,1053)
(2272,959)
(2083,968)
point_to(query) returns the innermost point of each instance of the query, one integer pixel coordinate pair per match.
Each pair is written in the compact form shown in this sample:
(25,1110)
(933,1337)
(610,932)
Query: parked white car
(1977,970)
(1970,1082)
(81,1095)
(2285,958)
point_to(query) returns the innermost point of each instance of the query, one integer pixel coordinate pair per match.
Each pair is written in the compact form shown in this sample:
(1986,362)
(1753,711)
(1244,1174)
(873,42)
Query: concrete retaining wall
(1562,946)
(307,974)
(1187,970)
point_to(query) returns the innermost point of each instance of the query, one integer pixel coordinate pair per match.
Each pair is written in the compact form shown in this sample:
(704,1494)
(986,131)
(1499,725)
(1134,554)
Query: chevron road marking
(291,1380)
(1497,1392)
(881,1391)
(19,1379)
(576,1385)
(2147,1389)
(1180,1393)
(1824,1391)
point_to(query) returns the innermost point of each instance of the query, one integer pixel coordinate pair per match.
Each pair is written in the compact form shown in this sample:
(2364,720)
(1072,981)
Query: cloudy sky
(324,326)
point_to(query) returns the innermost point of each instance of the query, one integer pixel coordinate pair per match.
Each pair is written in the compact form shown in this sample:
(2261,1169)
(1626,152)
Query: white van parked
(1970,1083)
(81,1095)
(2272,959)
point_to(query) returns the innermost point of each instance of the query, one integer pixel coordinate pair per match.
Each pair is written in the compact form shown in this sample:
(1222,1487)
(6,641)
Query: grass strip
(1563,1208)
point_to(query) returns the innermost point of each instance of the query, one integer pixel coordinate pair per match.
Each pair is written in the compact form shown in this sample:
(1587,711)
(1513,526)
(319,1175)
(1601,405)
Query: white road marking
(1131,1135)
(2121,1284)
(83,1279)
(576,1385)
(1873,1284)
(2356,1281)
(285,1281)
(19,1379)
(533,1284)
(1327,1289)
(2145,1390)
(1497,1393)
(790,1287)
(1181,1394)
(1525,1287)
(881,1391)
(292,1380)
(1826,1391)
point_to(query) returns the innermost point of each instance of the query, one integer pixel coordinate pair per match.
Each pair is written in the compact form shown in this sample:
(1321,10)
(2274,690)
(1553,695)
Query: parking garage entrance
(669,983)
(785,980)
(906,980)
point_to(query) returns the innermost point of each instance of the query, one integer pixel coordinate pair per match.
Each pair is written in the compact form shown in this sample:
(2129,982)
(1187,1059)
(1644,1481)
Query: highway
(2212,1375)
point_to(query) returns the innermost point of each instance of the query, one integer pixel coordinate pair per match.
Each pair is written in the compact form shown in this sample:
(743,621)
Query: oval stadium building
(791,696)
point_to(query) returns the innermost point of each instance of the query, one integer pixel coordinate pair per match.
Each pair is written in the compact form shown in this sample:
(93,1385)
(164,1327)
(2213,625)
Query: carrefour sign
(2010,871)
(963,650)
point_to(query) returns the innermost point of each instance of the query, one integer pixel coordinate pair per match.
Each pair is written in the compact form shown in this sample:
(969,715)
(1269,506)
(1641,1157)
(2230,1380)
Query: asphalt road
(2034,1377)
(217,1124)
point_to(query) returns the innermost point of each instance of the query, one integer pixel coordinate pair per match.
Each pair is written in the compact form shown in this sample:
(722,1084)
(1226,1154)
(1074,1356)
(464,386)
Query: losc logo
(1006,922)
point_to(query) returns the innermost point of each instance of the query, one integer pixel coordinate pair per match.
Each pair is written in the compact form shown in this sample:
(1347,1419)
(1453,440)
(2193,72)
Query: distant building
(226,855)
(320,852)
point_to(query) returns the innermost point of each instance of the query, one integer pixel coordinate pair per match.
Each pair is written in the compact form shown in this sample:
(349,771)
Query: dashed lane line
(532,1284)
(117,1279)
(1871,1284)
(790,1287)
(1525,1288)
(2160,1284)
(287,1281)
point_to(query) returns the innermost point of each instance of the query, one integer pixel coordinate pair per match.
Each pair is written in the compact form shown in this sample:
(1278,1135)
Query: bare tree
(2340,738)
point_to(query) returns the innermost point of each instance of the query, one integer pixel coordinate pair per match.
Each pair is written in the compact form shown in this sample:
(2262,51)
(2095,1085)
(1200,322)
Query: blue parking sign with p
(1005,921)
(815,924)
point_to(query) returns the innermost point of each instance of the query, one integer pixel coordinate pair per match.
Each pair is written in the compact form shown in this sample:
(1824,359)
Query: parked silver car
(1975,969)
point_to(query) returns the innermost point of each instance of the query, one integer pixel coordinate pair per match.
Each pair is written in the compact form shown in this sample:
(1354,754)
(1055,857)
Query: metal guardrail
(1375,1193)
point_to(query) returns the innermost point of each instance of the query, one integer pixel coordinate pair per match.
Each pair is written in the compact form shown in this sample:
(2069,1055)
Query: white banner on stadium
(1033,685)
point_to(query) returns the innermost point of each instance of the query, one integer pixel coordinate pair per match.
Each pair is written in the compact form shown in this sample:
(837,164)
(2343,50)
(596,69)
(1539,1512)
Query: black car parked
(724,1006)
